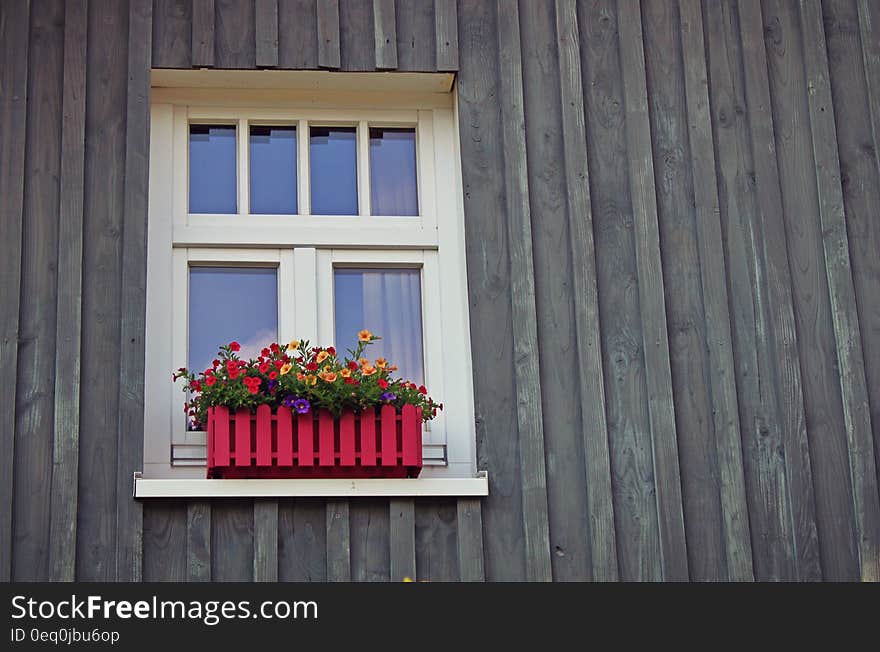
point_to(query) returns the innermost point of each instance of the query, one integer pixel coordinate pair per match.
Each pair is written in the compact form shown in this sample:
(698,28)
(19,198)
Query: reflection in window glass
(231,304)
(273,170)
(393,172)
(333,170)
(212,169)
(387,302)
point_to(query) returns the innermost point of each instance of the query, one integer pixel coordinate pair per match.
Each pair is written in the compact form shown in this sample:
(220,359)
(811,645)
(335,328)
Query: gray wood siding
(671,237)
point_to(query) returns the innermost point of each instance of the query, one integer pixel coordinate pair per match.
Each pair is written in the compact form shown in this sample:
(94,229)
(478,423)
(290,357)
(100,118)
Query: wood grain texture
(34,401)
(533,477)
(297,34)
(203,33)
(356,42)
(402,538)
(554,299)
(165,541)
(338,526)
(736,563)
(172,34)
(14,31)
(266,33)
(198,541)
(370,541)
(265,540)
(850,368)
(232,541)
(65,456)
(469,524)
(328,33)
(593,425)
(436,541)
(869,30)
(234,34)
(488,271)
(446,35)
(302,541)
(792,550)
(385,34)
(415,35)
(673,545)
(634,506)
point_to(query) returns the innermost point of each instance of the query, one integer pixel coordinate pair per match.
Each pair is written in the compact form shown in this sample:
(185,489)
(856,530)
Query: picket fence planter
(283,444)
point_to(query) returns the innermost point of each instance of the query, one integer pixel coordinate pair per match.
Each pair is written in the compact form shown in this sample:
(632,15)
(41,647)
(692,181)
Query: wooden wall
(672,246)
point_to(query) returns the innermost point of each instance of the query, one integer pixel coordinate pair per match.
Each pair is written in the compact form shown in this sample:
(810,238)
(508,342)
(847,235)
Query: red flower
(383,383)
(233,374)
(234,346)
(351,381)
(253,389)
(353,365)
(423,389)
(210,380)
(264,367)
(196,386)
(273,375)
(215,364)
(265,353)
(275,348)
(231,364)
(278,364)
(312,366)
(331,350)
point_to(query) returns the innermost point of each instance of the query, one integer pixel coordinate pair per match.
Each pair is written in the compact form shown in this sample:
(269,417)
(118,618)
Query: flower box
(368,444)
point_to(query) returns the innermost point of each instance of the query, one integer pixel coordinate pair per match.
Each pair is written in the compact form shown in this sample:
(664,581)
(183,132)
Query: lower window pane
(387,302)
(231,304)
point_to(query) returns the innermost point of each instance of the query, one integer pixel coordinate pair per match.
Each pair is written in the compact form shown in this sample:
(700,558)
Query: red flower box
(314,445)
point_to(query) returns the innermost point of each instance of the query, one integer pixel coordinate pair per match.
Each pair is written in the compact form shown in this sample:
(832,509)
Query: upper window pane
(387,302)
(231,304)
(212,169)
(333,170)
(393,172)
(273,170)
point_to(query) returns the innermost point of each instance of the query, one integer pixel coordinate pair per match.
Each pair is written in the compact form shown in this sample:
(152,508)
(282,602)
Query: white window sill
(330,488)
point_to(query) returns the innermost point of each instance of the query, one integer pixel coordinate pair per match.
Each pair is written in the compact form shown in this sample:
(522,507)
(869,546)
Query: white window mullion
(325,307)
(180,166)
(244,201)
(180,339)
(287,312)
(425,170)
(432,339)
(303,169)
(363,168)
(305,293)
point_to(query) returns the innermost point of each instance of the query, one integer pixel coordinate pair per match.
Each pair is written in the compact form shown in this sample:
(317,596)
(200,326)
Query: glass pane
(333,170)
(393,172)
(212,169)
(231,304)
(273,170)
(388,302)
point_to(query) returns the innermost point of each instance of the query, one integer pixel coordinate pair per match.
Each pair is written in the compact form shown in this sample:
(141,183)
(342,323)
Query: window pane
(231,303)
(393,172)
(212,169)
(333,169)
(388,302)
(273,170)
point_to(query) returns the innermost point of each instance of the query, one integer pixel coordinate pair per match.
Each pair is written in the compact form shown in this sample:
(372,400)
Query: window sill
(330,488)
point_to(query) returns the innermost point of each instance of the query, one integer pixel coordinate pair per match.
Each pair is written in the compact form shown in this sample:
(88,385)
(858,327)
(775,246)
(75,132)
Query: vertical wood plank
(198,541)
(402,526)
(370,540)
(172,34)
(242,437)
(593,424)
(328,34)
(326,454)
(266,33)
(265,540)
(851,367)
(235,40)
(793,548)
(203,33)
(221,435)
(232,541)
(338,541)
(673,547)
(415,36)
(470,540)
(285,437)
(446,35)
(519,232)
(368,437)
(305,445)
(65,462)
(385,34)
(389,436)
(165,541)
(14,30)
(297,34)
(869,29)
(132,327)
(436,540)
(357,48)
(302,541)
(264,435)
(727,443)
(347,439)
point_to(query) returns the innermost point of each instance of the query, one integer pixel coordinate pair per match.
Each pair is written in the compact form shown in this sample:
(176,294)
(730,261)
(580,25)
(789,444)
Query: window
(288,213)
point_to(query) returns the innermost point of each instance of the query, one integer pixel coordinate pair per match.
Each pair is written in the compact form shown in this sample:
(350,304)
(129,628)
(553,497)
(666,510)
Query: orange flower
(364,362)
(345,372)
(300,375)
(368,370)
(294,345)
(285,369)
(323,355)
(365,335)
(328,376)
(311,380)
(381,363)
(392,367)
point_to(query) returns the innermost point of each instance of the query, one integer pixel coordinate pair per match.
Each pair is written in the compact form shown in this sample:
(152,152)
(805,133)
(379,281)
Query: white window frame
(305,249)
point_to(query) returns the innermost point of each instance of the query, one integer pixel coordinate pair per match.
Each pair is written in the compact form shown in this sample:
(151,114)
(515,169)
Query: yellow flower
(364,361)
(311,380)
(345,372)
(368,370)
(286,369)
(300,375)
(365,335)
(328,376)
(323,355)
(294,345)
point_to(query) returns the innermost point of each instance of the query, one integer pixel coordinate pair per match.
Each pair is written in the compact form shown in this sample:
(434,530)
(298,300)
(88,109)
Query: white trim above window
(304,250)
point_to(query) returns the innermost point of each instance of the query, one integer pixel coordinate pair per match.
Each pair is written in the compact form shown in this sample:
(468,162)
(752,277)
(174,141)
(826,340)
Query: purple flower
(301,406)
(288,401)
(273,384)
(388,396)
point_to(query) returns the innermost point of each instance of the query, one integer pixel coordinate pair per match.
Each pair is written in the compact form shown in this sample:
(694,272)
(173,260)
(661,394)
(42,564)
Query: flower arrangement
(303,378)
